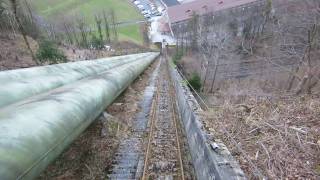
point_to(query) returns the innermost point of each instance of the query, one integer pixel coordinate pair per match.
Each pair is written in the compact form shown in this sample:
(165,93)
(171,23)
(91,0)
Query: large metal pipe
(35,131)
(20,84)
(20,74)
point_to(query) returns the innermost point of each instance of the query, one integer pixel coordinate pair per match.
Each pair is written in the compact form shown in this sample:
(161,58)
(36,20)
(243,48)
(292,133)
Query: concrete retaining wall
(211,159)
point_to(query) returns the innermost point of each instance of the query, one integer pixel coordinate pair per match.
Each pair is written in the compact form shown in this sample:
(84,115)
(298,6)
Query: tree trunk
(205,74)
(107,29)
(21,29)
(98,23)
(292,79)
(74,33)
(114,25)
(214,75)
(68,33)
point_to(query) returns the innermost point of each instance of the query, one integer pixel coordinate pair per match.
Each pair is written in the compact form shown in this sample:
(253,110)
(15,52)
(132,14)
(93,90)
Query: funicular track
(163,159)
(156,147)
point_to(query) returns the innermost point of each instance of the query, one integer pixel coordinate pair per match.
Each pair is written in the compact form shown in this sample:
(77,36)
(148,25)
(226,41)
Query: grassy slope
(60,9)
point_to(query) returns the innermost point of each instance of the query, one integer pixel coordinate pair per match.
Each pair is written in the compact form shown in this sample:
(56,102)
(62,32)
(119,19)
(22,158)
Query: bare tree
(74,33)
(284,38)
(68,31)
(253,26)
(296,38)
(212,40)
(14,6)
(206,46)
(306,83)
(30,24)
(107,27)
(99,26)
(81,24)
(7,19)
(114,25)
(193,31)
(145,34)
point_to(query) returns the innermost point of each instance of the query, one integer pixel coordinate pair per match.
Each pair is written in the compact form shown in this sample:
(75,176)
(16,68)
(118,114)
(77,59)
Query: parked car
(147,16)
(141,7)
(153,7)
(160,9)
(156,13)
(136,2)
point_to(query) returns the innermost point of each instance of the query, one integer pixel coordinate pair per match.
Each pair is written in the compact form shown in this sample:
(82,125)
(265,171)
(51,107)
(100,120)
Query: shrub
(48,52)
(195,81)
(96,43)
(177,57)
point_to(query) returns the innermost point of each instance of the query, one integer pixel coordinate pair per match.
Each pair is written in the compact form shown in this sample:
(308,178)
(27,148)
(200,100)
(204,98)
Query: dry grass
(277,138)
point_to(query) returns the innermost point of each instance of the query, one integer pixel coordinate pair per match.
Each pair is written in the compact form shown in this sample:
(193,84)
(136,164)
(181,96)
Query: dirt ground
(277,137)
(90,156)
(14,53)
(121,48)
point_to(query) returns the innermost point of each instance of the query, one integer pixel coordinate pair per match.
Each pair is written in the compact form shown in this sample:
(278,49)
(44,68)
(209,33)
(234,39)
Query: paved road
(127,23)
(146,4)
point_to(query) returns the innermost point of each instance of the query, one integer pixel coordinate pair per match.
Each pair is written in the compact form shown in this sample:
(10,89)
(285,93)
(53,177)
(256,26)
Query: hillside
(59,10)
(259,69)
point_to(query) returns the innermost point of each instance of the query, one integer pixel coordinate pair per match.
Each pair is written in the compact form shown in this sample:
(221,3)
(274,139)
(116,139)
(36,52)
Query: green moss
(195,81)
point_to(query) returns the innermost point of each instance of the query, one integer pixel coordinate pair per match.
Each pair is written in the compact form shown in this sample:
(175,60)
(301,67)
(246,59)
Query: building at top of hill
(184,11)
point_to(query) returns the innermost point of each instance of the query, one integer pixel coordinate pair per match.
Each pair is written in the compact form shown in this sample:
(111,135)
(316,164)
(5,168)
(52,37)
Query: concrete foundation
(211,159)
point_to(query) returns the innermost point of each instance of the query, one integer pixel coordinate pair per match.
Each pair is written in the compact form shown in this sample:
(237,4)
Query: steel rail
(154,112)
(175,121)
(152,124)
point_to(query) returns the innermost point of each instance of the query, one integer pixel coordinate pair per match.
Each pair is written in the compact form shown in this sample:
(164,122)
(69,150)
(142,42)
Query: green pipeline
(23,83)
(33,132)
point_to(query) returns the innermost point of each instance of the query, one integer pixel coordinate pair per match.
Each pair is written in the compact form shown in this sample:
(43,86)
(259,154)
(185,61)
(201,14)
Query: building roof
(184,11)
(170,2)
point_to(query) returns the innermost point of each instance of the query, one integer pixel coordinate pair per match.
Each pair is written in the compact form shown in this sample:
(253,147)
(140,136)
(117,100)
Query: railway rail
(163,159)
(155,148)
